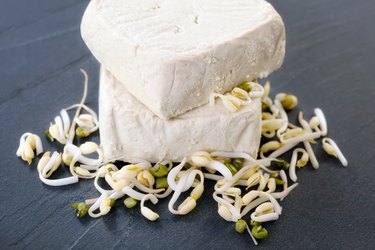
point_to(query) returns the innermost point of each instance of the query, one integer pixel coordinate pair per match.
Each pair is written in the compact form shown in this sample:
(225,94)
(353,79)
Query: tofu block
(172,54)
(130,131)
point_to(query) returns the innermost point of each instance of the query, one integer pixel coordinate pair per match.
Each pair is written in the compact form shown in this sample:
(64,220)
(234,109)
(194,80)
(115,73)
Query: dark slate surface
(330,63)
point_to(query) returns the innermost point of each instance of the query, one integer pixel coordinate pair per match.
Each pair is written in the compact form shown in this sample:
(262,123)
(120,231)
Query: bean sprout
(98,205)
(265,217)
(283,194)
(305,125)
(228,212)
(322,119)
(252,205)
(28,143)
(331,148)
(282,113)
(293,162)
(238,97)
(257,90)
(146,212)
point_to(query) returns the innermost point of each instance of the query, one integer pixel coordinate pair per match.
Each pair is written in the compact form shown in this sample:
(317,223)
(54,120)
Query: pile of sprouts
(248,190)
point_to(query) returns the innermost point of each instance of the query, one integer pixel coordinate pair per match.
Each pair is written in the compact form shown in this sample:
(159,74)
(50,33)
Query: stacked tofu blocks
(161,60)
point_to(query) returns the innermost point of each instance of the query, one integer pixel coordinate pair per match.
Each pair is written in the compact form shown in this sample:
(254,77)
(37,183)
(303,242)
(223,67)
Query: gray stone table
(330,63)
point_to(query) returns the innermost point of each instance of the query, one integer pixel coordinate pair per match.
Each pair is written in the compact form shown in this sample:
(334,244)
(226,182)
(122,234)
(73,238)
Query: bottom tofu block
(129,131)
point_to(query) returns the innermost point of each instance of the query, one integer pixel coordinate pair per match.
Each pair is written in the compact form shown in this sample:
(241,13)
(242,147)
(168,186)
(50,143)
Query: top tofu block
(171,55)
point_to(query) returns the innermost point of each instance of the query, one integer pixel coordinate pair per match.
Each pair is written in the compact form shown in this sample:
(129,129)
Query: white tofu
(131,131)
(172,54)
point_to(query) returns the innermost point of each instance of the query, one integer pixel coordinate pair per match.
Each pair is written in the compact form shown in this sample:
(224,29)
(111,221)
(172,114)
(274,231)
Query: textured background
(330,63)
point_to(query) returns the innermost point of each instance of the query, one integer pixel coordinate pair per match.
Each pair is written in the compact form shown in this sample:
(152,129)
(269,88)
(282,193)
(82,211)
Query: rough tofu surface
(172,54)
(130,131)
